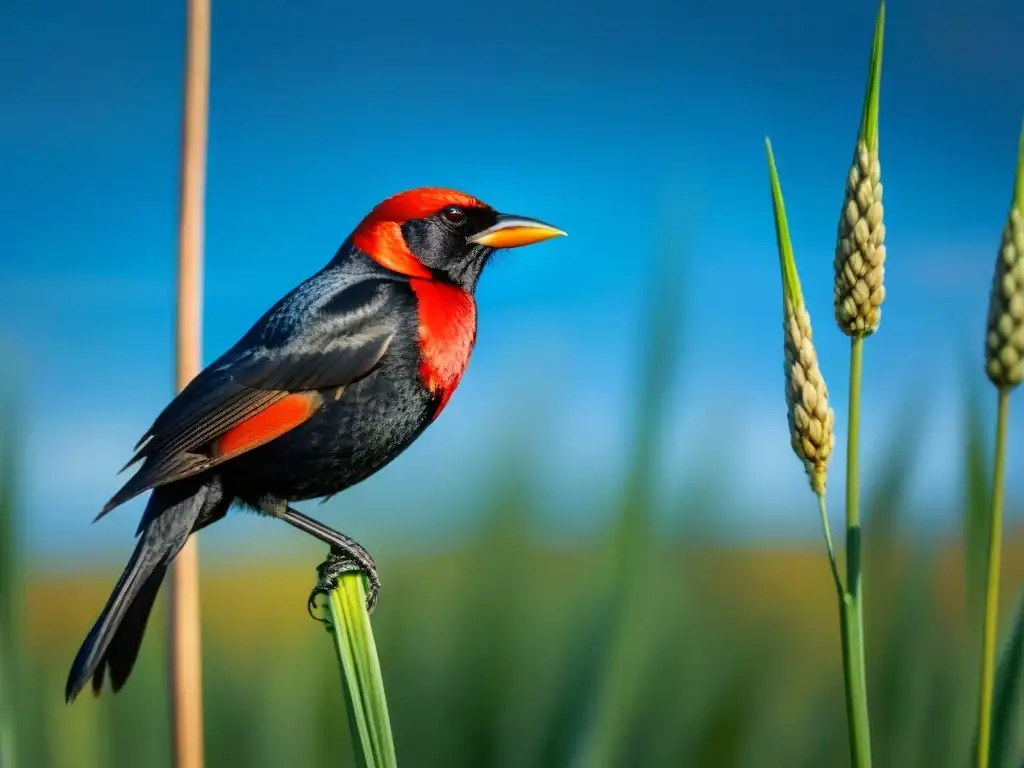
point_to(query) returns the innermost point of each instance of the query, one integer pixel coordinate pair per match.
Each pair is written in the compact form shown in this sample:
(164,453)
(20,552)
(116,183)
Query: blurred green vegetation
(11,591)
(511,654)
(635,650)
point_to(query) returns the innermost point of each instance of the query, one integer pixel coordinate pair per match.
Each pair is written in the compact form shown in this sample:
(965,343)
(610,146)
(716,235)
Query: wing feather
(339,342)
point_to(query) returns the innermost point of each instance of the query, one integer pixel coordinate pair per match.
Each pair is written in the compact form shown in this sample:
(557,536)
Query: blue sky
(607,119)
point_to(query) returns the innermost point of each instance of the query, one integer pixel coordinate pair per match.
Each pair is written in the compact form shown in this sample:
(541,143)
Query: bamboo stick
(185,654)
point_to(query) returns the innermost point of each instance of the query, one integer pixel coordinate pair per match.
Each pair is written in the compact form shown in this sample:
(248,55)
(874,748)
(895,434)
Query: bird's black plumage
(332,383)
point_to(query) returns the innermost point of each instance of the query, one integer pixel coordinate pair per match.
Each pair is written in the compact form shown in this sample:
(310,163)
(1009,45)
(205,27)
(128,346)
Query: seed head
(860,244)
(860,248)
(811,421)
(1004,343)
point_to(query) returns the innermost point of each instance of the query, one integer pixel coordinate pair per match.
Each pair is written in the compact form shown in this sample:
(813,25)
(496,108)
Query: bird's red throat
(447,335)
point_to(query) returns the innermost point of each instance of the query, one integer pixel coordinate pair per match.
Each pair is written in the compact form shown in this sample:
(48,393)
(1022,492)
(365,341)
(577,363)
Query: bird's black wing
(326,334)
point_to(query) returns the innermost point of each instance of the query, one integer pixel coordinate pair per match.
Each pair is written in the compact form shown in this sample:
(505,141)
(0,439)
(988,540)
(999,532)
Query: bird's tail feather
(116,637)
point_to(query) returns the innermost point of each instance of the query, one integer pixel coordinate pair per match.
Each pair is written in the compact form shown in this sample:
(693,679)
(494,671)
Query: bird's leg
(346,556)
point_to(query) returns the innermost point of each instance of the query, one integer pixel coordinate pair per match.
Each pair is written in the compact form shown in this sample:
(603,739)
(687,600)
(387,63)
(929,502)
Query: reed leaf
(1007,714)
(369,723)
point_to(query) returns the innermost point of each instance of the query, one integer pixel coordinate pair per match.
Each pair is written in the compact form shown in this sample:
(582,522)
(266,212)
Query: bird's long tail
(115,638)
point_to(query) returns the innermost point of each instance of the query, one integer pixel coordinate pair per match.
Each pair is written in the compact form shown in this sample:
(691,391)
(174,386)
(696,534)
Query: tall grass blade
(491,640)
(367,707)
(11,591)
(977,498)
(137,728)
(1007,714)
(78,734)
(660,362)
(729,716)
(578,686)
(902,659)
(631,547)
(886,500)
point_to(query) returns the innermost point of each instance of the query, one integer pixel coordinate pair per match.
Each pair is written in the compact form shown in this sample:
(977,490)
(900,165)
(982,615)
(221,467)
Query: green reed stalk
(365,702)
(812,436)
(851,626)
(859,292)
(853,605)
(1004,365)
(991,620)
(831,551)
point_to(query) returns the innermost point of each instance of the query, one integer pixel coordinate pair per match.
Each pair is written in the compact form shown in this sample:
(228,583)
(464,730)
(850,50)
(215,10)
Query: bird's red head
(439,233)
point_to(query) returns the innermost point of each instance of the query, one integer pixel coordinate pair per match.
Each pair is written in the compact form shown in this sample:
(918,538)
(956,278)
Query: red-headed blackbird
(331,384)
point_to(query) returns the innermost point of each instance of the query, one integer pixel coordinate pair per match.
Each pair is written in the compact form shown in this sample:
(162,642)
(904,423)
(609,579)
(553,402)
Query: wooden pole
(185,653)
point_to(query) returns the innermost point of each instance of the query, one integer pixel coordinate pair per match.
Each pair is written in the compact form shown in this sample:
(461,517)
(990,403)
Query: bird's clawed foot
(340,562)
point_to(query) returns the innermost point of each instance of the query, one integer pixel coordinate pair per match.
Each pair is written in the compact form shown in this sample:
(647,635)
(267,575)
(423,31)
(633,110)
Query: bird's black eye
(454,216)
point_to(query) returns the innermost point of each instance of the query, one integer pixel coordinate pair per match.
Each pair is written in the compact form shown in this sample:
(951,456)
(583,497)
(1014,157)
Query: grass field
(496,655)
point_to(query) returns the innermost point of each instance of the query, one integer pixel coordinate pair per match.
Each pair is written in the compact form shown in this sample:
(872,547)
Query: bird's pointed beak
(513,231)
